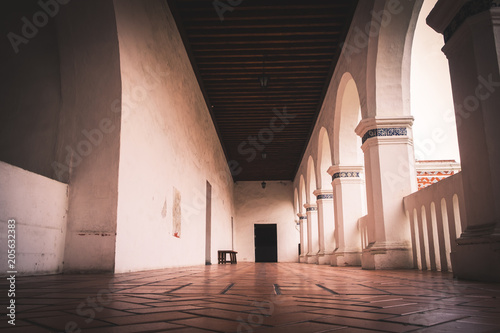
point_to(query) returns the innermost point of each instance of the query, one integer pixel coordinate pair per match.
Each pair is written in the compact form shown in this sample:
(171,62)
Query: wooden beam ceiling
(295,43)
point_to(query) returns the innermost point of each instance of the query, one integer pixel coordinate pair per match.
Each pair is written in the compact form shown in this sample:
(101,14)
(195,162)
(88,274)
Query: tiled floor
(254,298)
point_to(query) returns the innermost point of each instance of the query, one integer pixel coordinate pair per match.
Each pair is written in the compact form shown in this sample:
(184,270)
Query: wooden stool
(222,256)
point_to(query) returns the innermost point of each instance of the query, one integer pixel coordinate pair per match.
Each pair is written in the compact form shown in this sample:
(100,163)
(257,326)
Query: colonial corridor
(249,297)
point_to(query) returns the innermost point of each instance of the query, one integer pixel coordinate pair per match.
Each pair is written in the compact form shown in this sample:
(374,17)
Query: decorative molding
(324,196)
(471,8)
(303,218)
(368,124)
(345,175)
(393,131)
(311,209)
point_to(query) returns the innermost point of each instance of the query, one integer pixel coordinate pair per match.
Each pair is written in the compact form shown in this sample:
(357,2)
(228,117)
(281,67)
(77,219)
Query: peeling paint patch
(104,234)
(176,214)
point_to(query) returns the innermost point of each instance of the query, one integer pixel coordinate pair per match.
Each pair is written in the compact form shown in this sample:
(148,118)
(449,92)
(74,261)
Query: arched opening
(312,216)
(326,220)
(349,189)
(347,117)
(311,181)
(324,160)
(303,197)
(431,100)
(303,223)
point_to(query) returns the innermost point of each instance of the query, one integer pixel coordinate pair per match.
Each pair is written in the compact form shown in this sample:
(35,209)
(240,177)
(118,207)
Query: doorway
(266,243)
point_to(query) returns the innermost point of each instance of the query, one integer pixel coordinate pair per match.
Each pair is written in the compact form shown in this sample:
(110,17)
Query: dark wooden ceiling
(296,43)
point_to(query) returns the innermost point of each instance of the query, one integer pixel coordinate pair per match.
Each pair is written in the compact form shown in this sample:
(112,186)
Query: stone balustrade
(437,218)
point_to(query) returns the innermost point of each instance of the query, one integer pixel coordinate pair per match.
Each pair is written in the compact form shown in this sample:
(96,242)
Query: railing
(363,231)
(436,215)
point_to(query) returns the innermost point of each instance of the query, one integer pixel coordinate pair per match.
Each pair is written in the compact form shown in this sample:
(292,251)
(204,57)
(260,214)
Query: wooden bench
(223,256)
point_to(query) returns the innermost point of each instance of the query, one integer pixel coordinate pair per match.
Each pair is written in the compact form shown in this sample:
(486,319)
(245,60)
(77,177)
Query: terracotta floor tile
(353,314)
(61,323)
(458,327)
(405,310)
(368,324)
(137,328)
(427,318)
(215,324)
(301,328)
(313,298)
(149,318)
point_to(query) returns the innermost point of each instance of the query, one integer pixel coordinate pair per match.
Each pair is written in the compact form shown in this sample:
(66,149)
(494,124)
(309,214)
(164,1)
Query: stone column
(326,225)
(312,233)
(349,202)
(390,176)
(472,35)
(303,237)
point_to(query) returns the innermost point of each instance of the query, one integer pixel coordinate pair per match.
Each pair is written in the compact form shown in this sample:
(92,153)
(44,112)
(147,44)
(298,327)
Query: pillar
(472,35)
(91,95)
(303,237)
(390,175)
(312,233)
(349,202)
(326,227)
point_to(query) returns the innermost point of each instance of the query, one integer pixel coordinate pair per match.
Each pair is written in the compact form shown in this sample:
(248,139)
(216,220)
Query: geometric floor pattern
(248,297)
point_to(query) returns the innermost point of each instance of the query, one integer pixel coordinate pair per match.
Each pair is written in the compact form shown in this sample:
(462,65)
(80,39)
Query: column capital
(385,131)
(448,16)
(443,13)
(346,172)
(302,217)
(323,194)
(334,169)
(384,127)
(311,207)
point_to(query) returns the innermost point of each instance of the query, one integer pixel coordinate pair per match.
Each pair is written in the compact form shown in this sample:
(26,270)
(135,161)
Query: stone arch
(389,57)
(311,181)
(347,116)
(302,194)
(324,159)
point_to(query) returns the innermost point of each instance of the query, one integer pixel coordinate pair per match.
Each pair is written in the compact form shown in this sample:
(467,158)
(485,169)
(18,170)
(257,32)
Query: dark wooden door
(266,243)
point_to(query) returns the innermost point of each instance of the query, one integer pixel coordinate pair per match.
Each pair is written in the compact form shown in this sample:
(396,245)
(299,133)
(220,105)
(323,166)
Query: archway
(312,214)
(324,200)
(349,190)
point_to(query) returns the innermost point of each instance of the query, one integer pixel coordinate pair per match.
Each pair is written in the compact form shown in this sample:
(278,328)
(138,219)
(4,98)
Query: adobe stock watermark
(88,310)
(223,6)
(380,19)
(75,154)
(40,19)
(485,88)
(254,144)
(248,148)
(255,320)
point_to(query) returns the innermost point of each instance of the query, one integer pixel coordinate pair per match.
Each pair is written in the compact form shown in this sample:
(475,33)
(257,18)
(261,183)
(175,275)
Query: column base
(477,259)
(387,256)
(312,258)
(303,259)
(346,259)
(324,258)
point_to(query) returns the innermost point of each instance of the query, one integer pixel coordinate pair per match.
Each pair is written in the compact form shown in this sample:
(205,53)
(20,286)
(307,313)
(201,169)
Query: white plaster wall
(88,144)
(39,207)
(168,144)
(272,205)
(434,130)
